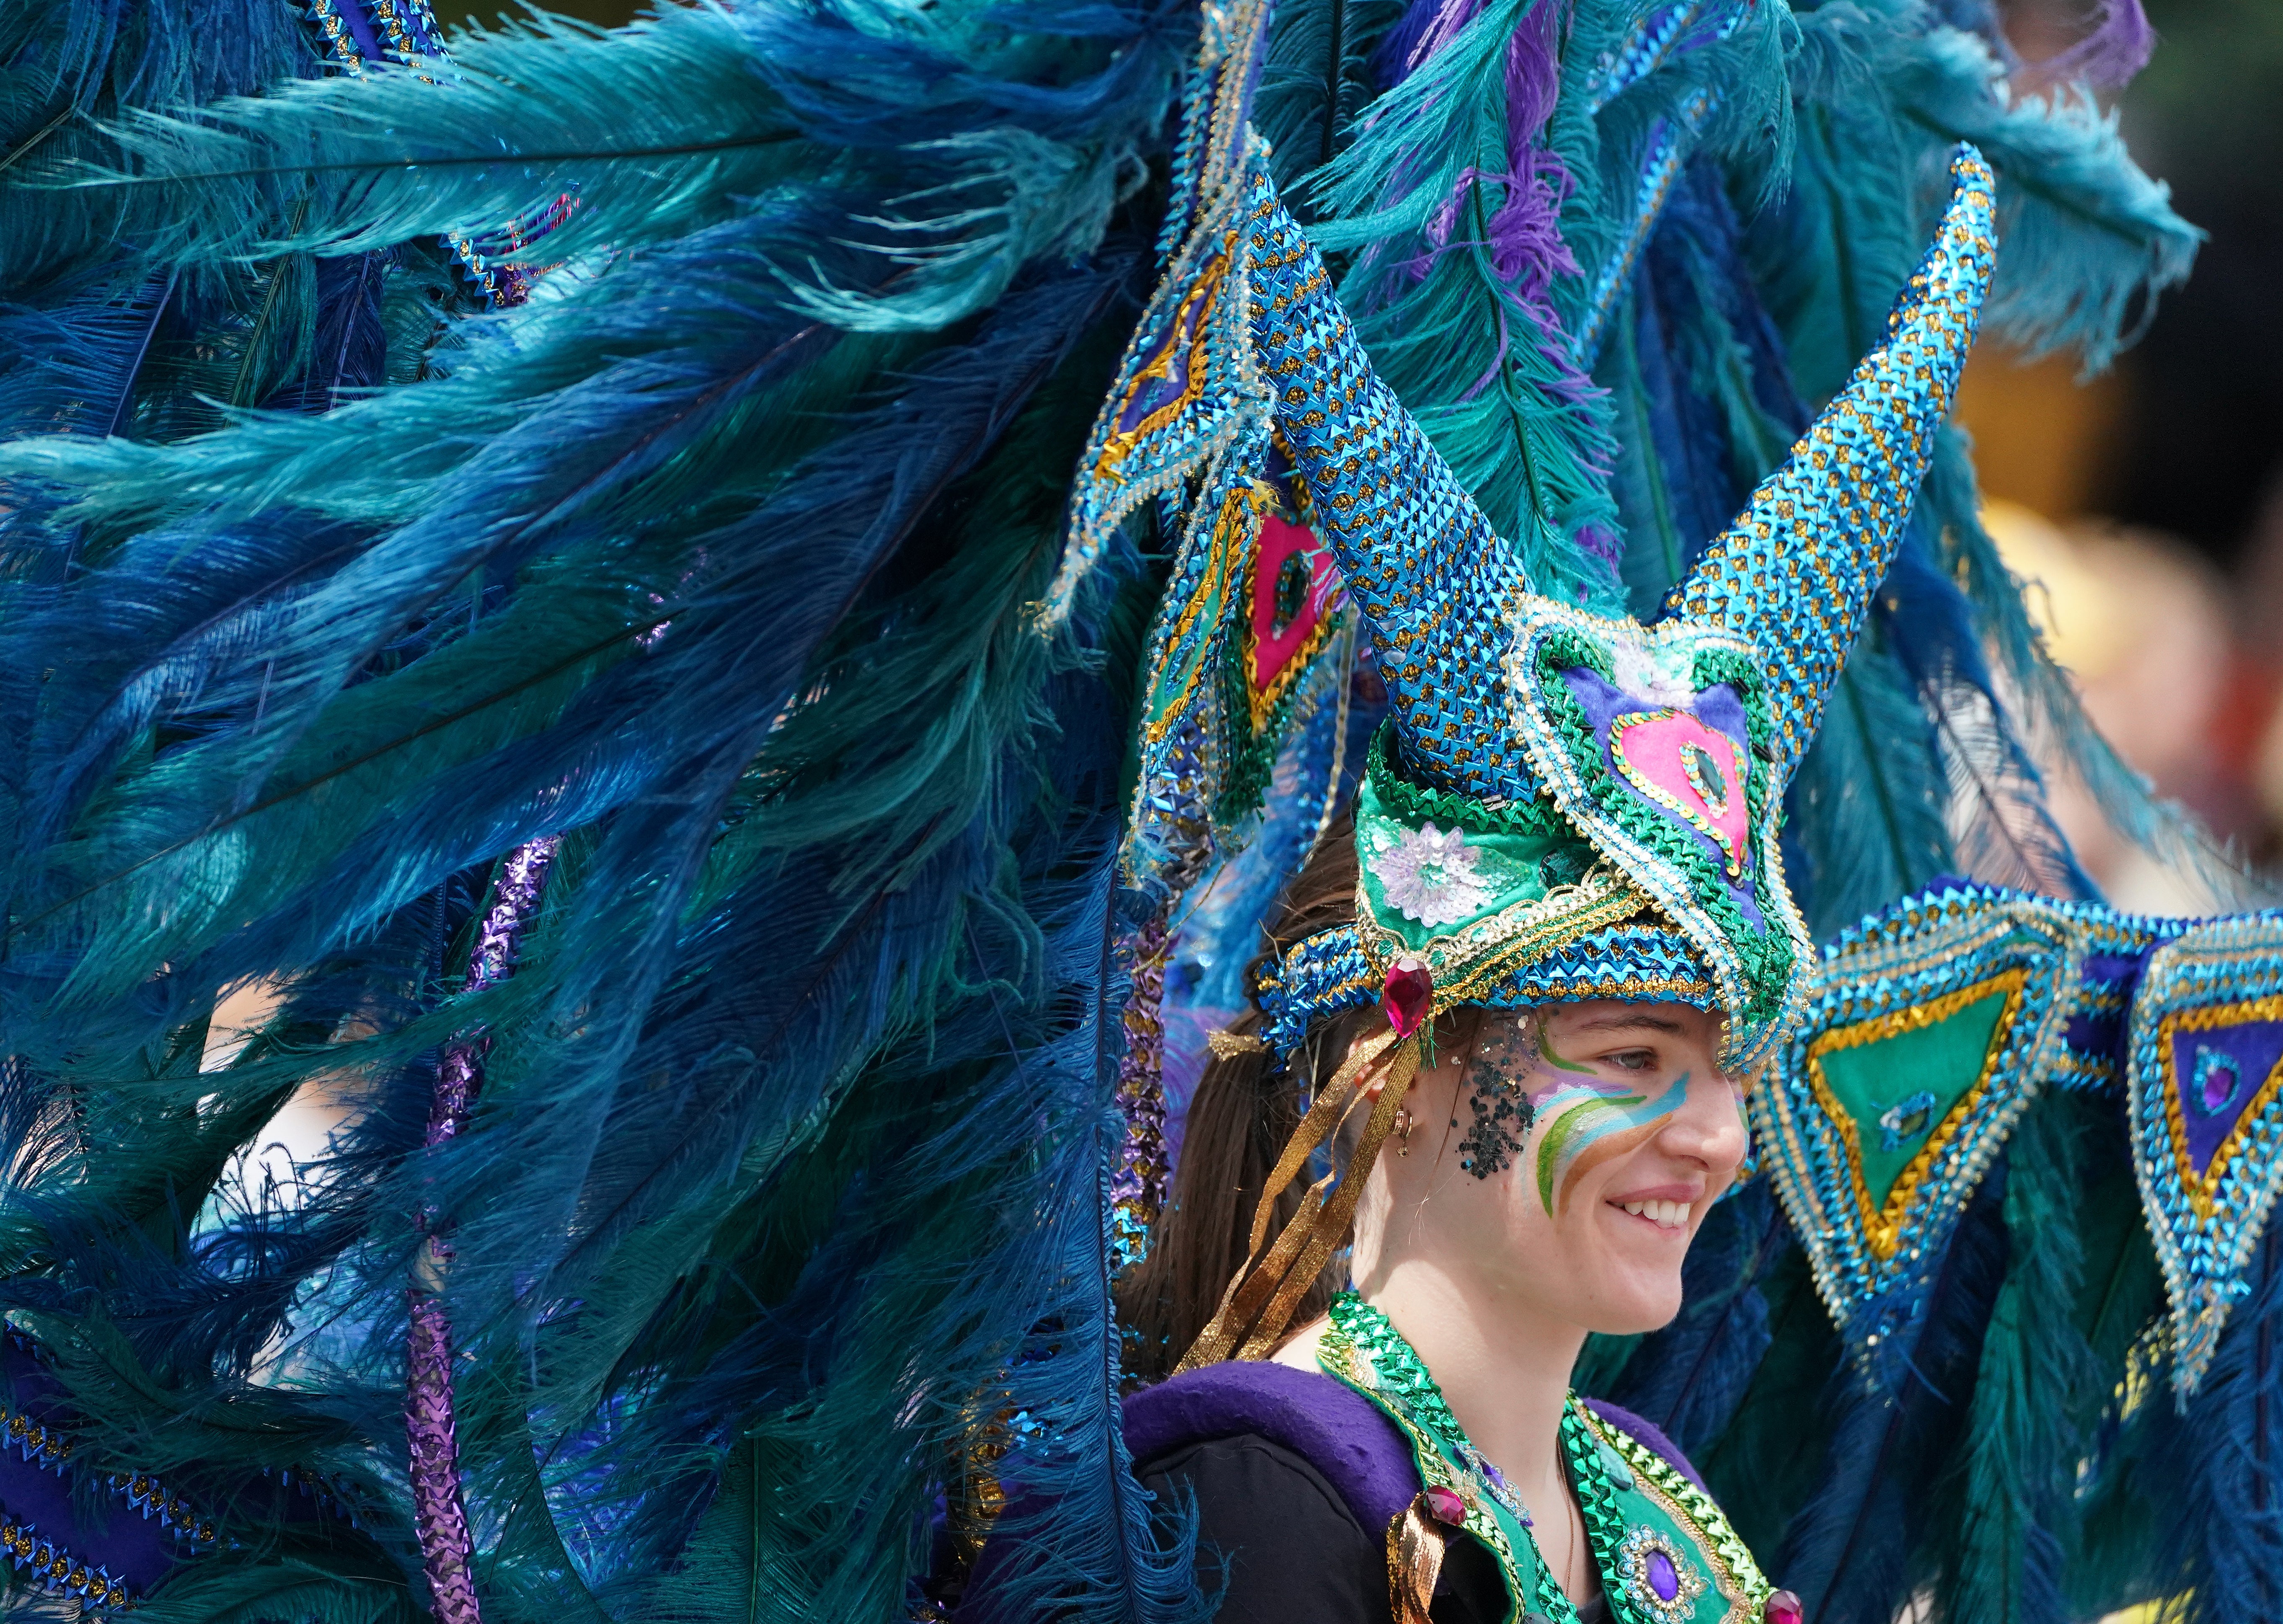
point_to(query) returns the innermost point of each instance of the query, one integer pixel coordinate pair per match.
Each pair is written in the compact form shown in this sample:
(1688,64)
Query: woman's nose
(1709,1125)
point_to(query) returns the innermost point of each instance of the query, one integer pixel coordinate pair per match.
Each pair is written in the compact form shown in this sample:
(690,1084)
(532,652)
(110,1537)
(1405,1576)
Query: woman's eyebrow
(1614,1024)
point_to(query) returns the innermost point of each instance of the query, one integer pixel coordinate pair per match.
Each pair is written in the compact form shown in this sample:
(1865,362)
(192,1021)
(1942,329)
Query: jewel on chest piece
(1782,1607)
(1446,1506)
(1661,1580)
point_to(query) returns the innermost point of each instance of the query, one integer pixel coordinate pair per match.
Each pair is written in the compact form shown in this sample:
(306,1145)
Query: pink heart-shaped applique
(1694,771)
(1292,577)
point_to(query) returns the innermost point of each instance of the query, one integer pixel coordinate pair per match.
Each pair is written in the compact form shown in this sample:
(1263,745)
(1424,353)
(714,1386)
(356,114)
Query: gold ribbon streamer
(1261,1299)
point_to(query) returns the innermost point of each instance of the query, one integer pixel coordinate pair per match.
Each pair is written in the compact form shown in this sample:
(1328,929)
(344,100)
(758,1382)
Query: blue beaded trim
(1329,974)
(2206,1217)
(57,1571)
(1654,39)
(1929,954)
(1795,574)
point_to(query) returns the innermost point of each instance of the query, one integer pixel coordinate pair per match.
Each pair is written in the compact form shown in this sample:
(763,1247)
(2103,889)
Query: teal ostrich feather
(782,1214)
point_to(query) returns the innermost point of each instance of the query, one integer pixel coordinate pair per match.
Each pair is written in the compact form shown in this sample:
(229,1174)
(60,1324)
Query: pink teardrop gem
(1447,1507)
(1407,995)
(1782,1608)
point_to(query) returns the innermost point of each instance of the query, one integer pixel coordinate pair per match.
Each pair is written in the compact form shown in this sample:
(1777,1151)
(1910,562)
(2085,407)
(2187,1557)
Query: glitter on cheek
(1505,1054)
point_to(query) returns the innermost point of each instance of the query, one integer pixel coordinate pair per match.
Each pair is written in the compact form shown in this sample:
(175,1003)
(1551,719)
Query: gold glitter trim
(1883,1226)
(1469,962)
(1182,335)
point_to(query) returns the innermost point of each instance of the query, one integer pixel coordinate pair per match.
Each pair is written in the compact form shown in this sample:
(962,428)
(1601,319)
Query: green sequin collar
(1664,1553)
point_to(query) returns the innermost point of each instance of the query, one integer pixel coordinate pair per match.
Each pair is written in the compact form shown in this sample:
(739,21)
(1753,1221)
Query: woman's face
(1565,1155)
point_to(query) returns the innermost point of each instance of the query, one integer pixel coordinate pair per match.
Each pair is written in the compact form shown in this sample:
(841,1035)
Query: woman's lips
(1667,1206)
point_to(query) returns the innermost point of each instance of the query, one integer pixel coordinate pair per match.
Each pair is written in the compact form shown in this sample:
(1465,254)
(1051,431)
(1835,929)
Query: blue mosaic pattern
(2117,948)
(2210,1164)
(1950,941)
(1438,588)
(1795,573)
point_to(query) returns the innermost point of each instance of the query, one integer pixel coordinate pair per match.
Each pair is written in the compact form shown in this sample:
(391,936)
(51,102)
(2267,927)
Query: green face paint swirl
(1546,1048)
(1580,1115)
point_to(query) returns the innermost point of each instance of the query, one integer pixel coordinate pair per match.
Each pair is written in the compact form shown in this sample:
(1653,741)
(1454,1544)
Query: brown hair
(1247,1105)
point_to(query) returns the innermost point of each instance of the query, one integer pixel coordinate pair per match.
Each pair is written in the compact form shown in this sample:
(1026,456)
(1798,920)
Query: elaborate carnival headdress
(1566,805)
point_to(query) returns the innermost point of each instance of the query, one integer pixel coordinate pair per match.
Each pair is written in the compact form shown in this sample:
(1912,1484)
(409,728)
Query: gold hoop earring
(1404,1123)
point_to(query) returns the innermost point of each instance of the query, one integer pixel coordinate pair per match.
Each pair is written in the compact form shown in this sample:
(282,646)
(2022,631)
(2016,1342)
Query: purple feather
(1523,234)
(2109,57)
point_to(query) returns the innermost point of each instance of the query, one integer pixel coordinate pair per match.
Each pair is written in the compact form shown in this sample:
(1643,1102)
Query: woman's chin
(1637,1277)
(1631,1308)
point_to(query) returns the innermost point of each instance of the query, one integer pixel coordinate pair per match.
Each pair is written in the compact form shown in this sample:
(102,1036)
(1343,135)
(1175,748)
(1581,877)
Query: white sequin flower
(1429,875)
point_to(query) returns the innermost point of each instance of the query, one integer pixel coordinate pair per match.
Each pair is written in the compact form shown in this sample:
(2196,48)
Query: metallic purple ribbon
(431,1427)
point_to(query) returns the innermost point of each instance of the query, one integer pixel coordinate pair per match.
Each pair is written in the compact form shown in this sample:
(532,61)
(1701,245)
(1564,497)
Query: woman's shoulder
(1361,1454)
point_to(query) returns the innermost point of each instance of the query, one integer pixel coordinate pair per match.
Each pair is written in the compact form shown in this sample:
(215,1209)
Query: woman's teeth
(1665,1215)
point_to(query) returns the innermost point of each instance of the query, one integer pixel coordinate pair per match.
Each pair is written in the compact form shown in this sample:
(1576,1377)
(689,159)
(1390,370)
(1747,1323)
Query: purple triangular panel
(2218,1071)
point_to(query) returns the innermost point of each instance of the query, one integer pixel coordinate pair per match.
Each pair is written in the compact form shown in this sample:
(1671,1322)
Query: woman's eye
(1634,1059)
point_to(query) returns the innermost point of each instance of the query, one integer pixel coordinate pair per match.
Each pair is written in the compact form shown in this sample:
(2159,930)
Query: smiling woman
(1545,1171)
(1506,1019)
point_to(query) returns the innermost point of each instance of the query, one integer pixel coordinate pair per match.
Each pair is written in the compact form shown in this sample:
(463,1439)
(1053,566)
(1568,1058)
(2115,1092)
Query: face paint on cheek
(1578,1116)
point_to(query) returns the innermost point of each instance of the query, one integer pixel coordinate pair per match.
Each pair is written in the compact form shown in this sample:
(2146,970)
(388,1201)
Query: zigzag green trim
(1446,809)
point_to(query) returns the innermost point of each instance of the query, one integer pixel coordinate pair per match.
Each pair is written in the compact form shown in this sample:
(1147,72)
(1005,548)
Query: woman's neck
(1503,1367)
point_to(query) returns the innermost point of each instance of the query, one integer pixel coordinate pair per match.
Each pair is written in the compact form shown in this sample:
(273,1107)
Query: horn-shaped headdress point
(1573,805)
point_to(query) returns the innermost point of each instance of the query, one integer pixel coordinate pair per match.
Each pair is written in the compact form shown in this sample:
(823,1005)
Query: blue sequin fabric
(1440,590)
(1796,572)
(1328,972)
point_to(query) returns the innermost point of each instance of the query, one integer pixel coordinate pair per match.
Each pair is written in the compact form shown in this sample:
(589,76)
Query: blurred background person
(2147,503)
